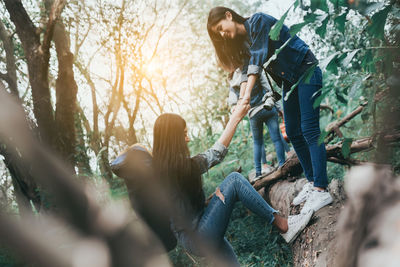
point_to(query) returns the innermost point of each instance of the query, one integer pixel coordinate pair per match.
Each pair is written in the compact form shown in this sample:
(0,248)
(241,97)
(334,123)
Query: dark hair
(172,162)
(230,53)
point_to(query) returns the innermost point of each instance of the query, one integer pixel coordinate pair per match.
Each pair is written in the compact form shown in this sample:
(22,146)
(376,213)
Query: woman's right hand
(241,110)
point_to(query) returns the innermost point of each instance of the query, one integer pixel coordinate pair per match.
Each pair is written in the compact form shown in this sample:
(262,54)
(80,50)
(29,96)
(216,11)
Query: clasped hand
(240,110)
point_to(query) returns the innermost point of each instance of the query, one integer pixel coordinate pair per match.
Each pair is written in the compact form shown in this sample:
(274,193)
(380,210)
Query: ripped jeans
(215,219)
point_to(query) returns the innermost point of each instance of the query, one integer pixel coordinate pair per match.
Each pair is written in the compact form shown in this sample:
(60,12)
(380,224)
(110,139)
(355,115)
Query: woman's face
(187,139)
(225,27)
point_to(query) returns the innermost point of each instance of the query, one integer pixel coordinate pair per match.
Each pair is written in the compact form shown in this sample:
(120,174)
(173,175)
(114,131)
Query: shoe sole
(301,229)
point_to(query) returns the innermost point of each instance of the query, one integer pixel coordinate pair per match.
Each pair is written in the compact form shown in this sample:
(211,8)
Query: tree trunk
(66,91)
(11,75)
(38,63)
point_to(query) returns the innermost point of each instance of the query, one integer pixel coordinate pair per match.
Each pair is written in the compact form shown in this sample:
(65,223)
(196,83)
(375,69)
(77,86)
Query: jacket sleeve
(260,26)
(211,157)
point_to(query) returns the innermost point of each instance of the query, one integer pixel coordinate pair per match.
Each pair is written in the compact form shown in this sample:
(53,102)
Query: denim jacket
(288,64)
(185,212)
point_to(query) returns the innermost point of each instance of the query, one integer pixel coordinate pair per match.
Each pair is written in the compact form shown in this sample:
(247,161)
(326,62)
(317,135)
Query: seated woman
(193,223)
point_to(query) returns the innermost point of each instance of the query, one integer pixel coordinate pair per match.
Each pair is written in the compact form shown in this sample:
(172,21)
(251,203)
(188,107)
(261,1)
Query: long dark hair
(230,53)
(172,162)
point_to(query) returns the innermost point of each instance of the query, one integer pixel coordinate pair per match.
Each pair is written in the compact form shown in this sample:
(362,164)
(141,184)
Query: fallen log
(292,167)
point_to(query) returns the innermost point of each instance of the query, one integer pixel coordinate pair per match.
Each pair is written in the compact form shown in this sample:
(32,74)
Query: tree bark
(38,65)
(11,76)
(66,93)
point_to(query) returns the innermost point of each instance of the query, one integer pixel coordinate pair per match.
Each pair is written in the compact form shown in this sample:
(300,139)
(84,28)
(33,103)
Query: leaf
(340,22)
(276,29)
(367,62)
(341,98)
(296,4)
(309,73)
(324,63)
(294,29)
(333,65)
(321,30)
(319,99)
(320,4)
(305,77)
(219,194)
(338,3)
(346,147)
(349,57)
(322,137)
(376,29)
(311,17)
(368,8)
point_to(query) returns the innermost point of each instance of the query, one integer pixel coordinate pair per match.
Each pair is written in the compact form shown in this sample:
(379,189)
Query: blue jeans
(214,221)
(286,147)
(302,128)
(269,117)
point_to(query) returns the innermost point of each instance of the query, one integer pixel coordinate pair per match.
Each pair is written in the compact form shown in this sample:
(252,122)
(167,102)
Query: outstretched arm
(217,152)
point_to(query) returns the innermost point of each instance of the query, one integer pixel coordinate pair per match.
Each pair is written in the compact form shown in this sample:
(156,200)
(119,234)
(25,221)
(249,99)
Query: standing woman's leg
(263,154)
(291,111)
(275,134)
(257,131)
(307,93)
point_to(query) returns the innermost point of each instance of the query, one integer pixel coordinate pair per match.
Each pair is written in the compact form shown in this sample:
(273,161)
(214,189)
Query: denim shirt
(205,161)
(286,67)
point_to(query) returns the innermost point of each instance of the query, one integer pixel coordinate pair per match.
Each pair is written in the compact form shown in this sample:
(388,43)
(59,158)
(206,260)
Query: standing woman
(261,114)
(191,219)
(245,42)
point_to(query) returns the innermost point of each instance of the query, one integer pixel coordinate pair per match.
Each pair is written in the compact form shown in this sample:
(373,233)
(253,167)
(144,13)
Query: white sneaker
(316,200)
(296,224)
(304,193)
(267,170)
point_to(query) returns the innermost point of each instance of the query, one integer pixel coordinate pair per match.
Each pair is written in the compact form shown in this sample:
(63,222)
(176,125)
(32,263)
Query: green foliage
(376,29)
(346,147)
(276,29)
(321,30)
(319,4)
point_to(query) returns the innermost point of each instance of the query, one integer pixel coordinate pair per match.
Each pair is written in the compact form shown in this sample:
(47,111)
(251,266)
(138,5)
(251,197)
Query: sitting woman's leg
(234,188)
(215,219)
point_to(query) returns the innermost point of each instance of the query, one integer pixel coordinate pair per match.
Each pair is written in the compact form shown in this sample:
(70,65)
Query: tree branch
(55,13)
(333,127)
